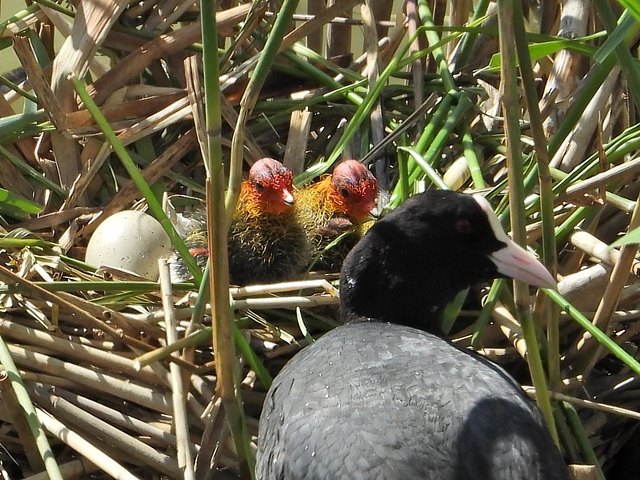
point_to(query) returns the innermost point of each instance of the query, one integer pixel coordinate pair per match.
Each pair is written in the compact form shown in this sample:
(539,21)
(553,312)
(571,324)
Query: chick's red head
(272,184)
(356,188)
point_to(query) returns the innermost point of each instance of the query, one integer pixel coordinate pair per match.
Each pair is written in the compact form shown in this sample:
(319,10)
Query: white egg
(131,241)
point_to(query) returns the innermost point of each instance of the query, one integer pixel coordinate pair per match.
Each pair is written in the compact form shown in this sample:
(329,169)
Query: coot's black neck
(387,281)
(414,261)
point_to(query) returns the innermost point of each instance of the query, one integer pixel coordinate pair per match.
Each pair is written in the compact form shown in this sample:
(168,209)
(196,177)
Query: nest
(118,372)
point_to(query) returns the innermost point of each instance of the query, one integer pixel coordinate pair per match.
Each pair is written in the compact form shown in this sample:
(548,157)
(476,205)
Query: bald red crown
(357,189)
(271,184)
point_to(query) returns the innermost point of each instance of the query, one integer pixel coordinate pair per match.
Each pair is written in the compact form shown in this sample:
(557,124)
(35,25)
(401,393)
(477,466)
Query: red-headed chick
(266,242)
(333,210)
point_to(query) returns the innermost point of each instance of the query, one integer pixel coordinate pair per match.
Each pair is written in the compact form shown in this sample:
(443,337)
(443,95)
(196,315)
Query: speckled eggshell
(131,241)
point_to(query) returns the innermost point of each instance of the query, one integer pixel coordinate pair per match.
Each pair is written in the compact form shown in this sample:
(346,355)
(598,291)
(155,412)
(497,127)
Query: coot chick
(376,400)
(266,242)
(334,209)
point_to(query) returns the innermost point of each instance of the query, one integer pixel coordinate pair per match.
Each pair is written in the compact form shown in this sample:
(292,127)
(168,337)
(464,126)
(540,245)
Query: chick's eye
(259,187)
(463,226)
(345,192)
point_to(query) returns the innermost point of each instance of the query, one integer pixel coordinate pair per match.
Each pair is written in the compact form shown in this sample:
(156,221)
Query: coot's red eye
(463,226)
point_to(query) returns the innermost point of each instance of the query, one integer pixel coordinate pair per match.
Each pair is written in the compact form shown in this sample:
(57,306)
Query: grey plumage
(485,426)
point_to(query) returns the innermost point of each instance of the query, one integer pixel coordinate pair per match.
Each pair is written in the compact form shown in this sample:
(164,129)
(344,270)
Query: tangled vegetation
(157,105)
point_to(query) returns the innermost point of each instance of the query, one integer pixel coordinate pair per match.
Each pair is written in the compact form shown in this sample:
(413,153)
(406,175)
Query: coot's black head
(416,259)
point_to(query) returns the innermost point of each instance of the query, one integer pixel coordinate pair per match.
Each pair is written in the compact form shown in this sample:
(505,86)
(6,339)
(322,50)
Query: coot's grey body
(374,420)
(377,400)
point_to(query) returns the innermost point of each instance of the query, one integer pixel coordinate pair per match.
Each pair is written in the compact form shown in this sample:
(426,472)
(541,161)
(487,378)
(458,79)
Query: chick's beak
(515,262)
(287,197)
(359,213)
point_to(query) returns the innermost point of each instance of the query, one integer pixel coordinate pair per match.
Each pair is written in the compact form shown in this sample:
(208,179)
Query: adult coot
(376,400)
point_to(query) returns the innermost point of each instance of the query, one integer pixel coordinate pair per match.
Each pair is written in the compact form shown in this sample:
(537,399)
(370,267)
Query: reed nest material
(116,375)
